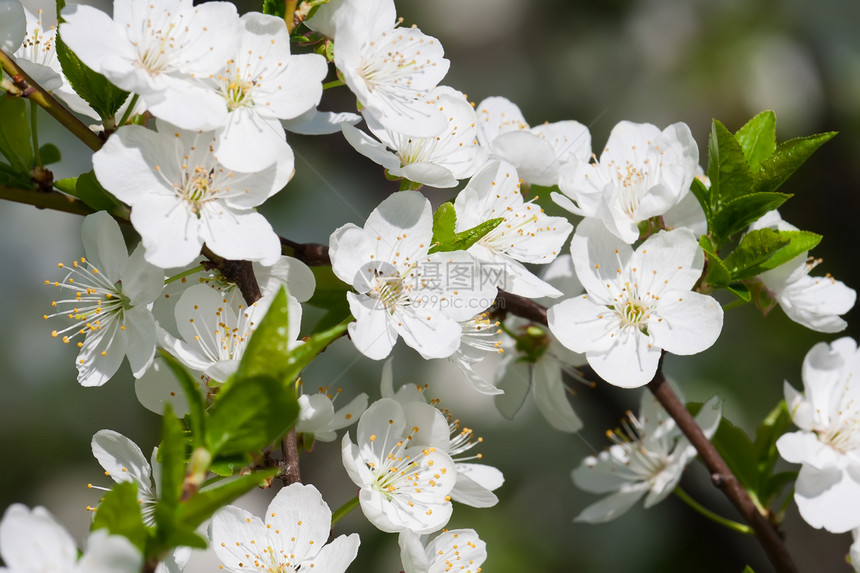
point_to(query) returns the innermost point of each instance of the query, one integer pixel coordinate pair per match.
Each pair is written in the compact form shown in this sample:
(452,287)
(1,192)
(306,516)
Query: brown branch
(312,254)
(721,475)
(289,465)
(46,200)
(34,92)
(239,272)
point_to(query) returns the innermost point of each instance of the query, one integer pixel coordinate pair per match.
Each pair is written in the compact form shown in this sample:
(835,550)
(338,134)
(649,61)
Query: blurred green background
(657,61)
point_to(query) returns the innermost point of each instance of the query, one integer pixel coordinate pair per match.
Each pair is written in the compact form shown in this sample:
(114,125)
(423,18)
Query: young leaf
(104,97)
(302,355)
(718,274)
(269,348)
(777,422)
(275,7)
(799,242)
(250,413)
(171,454)
(727,169)
(15,143)
(119,513)
(789,155)
(444,237)
(703,196)
(736,215)
(196,415)
(755,248)
(738,451)
(204,503)
(741,291)
(50,153)
(89,190)
(758,139)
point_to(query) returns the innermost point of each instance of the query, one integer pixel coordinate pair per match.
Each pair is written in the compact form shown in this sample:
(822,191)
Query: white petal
(432,334)
(141,281)
(486,476)
(336,556)
(140,334)
(104,245)
(412,555)
(515,383)
(250,142)
(298,521)
(13,25)
(613,505)
(805,448)
(241,236)
(158,386)
(109,554)
(234,533)
(315,413)
(33,540)
(631,362)
(121,458)
(599,258)
(828,498)
(369,147)
(314,122)
(581,325)
(469,492)
(372,333)
(551,396)
(686,322)
(350,413)
(293,273)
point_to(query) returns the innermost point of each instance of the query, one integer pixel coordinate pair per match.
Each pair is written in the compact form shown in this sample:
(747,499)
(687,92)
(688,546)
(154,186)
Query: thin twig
(34,92)
(290,463)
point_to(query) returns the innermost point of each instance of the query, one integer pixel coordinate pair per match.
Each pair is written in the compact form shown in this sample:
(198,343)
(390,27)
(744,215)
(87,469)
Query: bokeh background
(657,61)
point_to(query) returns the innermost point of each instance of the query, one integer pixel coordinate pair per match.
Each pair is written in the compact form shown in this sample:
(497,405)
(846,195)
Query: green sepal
(50,153)
(104,97)
(446,239)
(718,274)
(249,413)
(789,155)
(204,503)
(532,344)
(758,139)
(275,8)
(727,169)
(172,456)
(736,215)
(119,513)
(196,415)
(15,142)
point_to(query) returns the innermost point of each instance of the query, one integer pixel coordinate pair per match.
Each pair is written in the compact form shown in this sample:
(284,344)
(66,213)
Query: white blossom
(112,293)
(480,337)
(318,417)
(536,152)
(292,537)
(213,333)
(391,70)
(814,302)
(827,490)
(527,234)
(123,461)
(33,540)
(641,173)
(162,50)
(403,486)
(181,197)
(452,550)
(647,458)
(401,290)
(437,161)
(37,55)
(637,303)
(261,84)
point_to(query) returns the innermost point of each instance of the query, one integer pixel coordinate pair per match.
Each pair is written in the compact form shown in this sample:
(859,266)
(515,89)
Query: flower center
(633,311)
(198,188)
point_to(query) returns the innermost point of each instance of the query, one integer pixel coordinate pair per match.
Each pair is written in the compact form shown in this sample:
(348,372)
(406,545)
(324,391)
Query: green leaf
(754,249)
(171,454)
(727,169)
(777,423)
(738,451)
(773,485)
(444,237)
(302,355)
(718,274)
(789,155)
(250,413)
(799,242)
(703,196)
(119,513)
(267,353)
(741,291)
(89,190)
(204,503)
(104,97)
(758,139)
(15,143)
(275,8)
(736,215)
(189,385)
(748,569)
(50,153)
(67,185)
